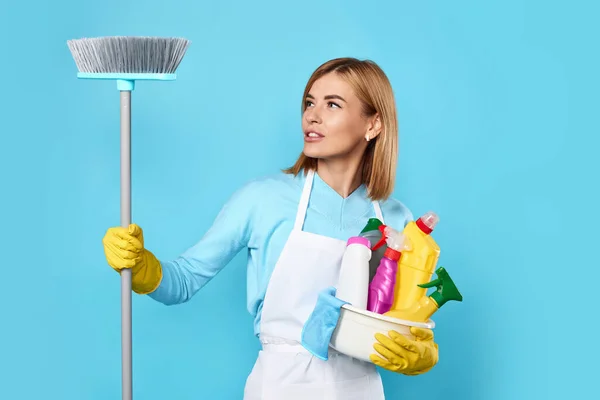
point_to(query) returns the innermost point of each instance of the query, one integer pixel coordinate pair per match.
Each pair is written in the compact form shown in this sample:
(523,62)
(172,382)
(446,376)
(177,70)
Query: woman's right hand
(124,248)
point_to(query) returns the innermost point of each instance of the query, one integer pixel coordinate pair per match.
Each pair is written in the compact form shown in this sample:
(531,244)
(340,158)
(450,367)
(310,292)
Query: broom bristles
(128,54)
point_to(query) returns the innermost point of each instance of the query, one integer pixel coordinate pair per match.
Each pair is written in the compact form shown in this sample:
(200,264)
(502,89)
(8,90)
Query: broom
(127,59)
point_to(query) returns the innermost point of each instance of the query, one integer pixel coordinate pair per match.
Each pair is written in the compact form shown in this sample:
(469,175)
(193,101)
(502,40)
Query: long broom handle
(126,363)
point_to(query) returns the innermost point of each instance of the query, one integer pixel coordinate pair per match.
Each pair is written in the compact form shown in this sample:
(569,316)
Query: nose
(312,115)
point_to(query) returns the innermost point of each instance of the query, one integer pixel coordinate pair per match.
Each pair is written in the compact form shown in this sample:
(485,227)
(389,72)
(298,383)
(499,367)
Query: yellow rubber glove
(405,356)
(124,248)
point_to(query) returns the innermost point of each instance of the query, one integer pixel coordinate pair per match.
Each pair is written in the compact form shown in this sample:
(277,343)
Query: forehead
(329,84)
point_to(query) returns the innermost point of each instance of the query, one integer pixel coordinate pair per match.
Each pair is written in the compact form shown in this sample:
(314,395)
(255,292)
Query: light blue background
(498,107)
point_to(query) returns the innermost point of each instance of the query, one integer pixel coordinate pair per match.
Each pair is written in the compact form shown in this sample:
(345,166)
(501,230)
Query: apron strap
(303,205)
(378,212)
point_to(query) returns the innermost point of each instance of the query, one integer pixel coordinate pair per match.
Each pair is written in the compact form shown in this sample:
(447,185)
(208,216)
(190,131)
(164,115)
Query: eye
(308,103)
(332,104)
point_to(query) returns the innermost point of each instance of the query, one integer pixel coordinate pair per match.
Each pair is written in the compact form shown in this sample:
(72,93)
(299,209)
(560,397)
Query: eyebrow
(328,97)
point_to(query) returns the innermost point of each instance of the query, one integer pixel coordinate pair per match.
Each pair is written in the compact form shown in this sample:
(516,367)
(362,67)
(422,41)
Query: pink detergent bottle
(381,289)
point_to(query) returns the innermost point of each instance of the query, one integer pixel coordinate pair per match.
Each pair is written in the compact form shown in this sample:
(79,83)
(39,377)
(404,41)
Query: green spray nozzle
(372,225)
(446,289)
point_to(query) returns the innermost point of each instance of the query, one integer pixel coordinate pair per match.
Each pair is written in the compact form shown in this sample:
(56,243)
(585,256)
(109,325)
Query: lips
(313,134)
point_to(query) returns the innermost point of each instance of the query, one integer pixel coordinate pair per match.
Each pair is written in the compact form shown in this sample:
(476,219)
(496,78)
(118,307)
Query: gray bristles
(128,54)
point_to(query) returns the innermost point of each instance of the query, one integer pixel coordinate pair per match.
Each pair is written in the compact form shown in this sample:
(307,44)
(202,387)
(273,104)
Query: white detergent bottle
(353,283)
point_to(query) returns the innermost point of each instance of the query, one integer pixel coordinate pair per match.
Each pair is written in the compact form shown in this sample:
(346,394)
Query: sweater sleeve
(229,233)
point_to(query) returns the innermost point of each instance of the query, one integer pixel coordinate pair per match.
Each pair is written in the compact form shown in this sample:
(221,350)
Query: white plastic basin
(355,332)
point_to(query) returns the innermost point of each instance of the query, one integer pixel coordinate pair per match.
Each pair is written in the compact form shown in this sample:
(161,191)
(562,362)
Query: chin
(318,151)
(313,151)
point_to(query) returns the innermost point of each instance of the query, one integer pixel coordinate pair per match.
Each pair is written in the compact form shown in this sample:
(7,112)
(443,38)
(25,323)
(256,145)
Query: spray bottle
(371,231)
(381,289)
(353,281)
(416,265)
(425,307)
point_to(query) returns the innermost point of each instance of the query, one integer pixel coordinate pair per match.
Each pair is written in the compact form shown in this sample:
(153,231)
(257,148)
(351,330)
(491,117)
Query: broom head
(128,57)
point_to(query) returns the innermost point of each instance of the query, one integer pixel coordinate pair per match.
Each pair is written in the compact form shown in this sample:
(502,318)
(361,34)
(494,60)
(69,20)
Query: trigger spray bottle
(446,291)
(381,289)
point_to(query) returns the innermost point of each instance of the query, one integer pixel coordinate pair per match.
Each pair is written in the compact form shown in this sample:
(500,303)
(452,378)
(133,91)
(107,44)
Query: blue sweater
(259,218)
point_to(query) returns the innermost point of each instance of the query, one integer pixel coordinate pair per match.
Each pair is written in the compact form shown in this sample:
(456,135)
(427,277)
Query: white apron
(285,370)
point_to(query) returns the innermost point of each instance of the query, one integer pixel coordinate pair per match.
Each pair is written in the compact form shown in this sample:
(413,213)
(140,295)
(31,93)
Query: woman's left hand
(399,354)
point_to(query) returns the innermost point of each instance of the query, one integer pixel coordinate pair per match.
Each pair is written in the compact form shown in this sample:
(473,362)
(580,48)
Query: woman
(295,225)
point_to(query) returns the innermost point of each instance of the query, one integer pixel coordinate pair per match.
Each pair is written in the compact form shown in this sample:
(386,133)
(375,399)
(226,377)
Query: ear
(373,128)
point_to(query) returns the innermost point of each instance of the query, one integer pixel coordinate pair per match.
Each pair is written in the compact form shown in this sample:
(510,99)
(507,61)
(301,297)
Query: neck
(343,176)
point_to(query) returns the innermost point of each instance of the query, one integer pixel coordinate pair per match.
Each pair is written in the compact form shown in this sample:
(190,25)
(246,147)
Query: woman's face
(333,123)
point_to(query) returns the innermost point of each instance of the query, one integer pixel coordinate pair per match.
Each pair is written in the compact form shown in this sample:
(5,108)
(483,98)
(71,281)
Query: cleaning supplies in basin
(402,277)
(382,287)
(353,281)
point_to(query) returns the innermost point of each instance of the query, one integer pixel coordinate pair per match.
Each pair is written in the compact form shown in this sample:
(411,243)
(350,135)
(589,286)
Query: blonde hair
(372,87)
